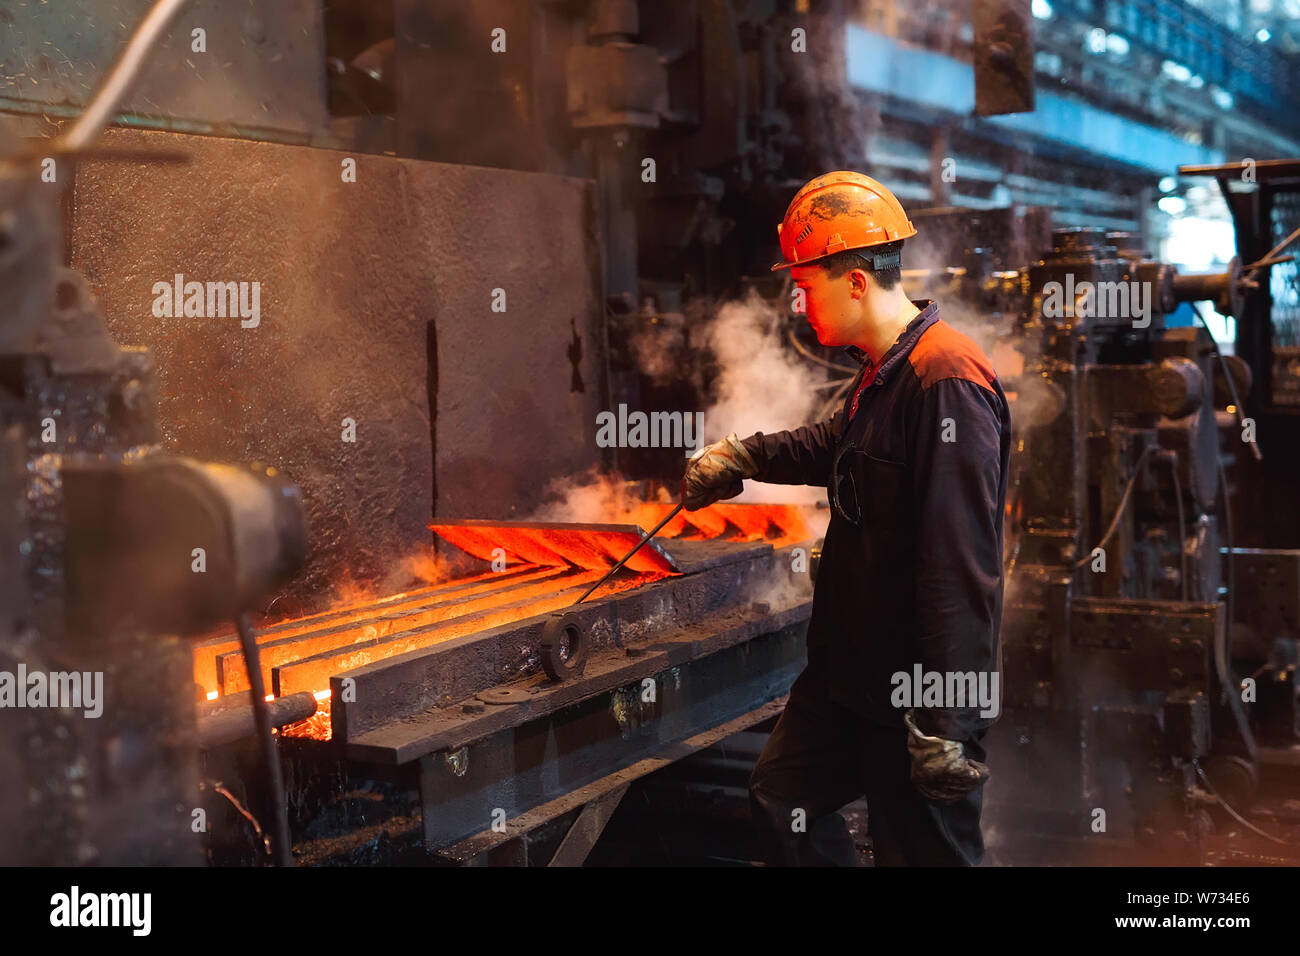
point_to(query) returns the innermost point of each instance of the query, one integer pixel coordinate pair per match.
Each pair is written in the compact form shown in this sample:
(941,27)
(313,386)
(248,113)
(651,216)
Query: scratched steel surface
(352,278)
(264,65)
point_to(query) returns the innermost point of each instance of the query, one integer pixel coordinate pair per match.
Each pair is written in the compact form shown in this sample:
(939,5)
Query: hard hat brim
(802,262)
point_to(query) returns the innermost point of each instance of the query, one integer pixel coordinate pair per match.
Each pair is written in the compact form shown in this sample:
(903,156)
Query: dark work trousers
(822,756)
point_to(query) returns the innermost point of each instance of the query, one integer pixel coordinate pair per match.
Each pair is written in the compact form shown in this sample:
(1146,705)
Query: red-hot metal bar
(548,567)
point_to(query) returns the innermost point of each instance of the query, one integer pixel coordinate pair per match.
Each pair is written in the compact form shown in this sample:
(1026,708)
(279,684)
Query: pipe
(234,720)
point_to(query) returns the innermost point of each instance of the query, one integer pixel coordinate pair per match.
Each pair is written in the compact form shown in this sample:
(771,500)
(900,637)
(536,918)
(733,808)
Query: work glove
(715,472)
(941,770)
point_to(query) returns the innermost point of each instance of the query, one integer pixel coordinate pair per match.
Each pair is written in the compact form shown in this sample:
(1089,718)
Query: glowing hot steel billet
(672,514)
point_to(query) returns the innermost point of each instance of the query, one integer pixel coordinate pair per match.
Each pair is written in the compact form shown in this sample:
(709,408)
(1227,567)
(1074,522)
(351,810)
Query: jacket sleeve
(957,440)
(800,456)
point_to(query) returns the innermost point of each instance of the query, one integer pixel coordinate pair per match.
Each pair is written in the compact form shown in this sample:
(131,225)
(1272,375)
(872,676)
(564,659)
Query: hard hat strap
(886,260)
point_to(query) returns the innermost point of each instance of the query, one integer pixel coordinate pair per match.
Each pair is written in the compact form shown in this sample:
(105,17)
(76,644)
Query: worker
(915,467)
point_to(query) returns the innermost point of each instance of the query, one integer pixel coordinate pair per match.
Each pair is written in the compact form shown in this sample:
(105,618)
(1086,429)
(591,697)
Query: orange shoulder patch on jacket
(943,352)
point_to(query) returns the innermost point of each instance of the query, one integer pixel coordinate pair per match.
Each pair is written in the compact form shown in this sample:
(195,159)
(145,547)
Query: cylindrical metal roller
(225,722)
(1225,289)
(1177,386)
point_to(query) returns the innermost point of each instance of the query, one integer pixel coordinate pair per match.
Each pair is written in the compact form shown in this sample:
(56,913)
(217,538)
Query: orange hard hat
(836,212)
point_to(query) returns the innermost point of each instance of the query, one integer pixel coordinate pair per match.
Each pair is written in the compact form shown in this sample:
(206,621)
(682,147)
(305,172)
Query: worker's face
(832,306)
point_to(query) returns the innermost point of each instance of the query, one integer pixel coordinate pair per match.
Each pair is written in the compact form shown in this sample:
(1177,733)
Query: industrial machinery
(510,712)
(434,694)
(113,549)
(1126,716)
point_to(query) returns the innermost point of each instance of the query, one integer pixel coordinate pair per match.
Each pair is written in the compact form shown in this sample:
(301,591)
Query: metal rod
(262,716)
(627,557)
(1267,261)
(1275,250)
(123,73)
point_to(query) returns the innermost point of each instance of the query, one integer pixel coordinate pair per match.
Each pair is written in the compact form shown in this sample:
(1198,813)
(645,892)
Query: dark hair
(887,277)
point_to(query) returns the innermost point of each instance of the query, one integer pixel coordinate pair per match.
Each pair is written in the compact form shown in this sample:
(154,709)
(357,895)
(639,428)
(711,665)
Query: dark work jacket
(919,580)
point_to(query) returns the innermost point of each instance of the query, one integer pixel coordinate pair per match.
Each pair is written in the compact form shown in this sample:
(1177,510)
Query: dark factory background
(475,229)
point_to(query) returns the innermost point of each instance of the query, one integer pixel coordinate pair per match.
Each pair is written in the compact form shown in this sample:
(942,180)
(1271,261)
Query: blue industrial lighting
(1116,44)
(1167,184)
(1042,10)
(1248,63)
(913,77)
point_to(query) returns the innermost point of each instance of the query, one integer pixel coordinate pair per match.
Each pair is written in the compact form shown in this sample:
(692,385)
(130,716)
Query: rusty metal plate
(374,312)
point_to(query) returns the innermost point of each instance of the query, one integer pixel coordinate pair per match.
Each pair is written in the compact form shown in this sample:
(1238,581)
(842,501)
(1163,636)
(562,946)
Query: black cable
(834,382)
(1232,386)
(1233,813)
(1223,637)
(799,347)
(262,718)
(837,398)
(1223,652)
(1119,510)
(1172,458)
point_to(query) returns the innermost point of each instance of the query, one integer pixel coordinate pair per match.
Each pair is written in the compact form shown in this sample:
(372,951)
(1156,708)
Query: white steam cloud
(762,385)
(595,498)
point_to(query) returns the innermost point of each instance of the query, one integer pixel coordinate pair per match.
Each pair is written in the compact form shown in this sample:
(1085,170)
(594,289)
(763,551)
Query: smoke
(1031,400)
(761,384)
(927,256)
(757,383)
(421,567)
(660,349)
(780,587)
(594,498)
(832,124)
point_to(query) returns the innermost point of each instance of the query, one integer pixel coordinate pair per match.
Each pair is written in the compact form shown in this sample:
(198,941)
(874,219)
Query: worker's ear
(859,282)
